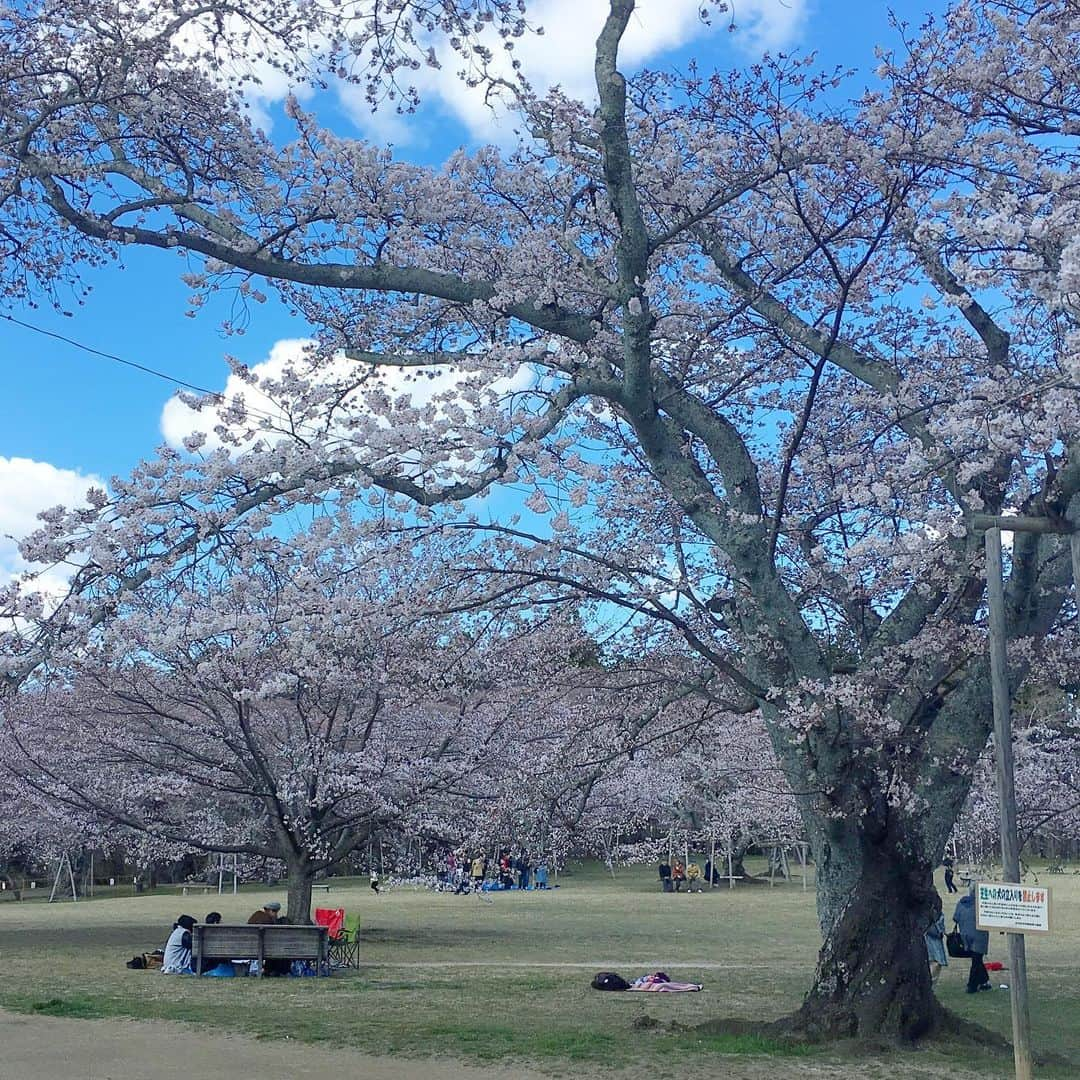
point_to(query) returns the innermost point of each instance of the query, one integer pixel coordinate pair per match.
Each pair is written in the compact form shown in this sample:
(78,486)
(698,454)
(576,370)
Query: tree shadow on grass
(954,1037)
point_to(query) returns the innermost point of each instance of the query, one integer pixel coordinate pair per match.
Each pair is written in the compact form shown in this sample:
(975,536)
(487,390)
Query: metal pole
(1074,545)
(1003,753)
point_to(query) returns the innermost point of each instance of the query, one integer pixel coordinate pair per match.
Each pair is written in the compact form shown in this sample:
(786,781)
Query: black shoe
(986,986)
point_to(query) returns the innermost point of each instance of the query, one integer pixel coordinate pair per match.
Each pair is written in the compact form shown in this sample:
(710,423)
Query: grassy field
(453,976)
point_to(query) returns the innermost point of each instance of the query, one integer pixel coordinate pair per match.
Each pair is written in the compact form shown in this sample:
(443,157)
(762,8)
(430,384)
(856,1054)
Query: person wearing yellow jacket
(693,877)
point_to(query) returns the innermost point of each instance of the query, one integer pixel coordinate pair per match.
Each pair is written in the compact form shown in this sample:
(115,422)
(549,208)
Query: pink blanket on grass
(662,984)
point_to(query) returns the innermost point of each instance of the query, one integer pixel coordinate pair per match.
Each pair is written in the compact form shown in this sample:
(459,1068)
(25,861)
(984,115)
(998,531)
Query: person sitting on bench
(267,915)
(177,960)
(216,965)
(665,877)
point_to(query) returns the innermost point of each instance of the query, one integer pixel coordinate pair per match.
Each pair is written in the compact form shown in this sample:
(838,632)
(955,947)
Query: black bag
(608,980)
(954,945)
(138,963)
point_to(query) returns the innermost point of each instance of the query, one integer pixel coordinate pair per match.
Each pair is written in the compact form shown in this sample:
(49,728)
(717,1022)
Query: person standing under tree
(935,939)
(478,873)
(976,941)
(950,884)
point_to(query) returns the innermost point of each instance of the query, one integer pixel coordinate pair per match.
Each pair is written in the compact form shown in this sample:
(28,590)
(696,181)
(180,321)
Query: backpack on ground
(608,980)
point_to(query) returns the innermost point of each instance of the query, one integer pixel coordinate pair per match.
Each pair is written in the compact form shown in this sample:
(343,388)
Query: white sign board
(1018,909)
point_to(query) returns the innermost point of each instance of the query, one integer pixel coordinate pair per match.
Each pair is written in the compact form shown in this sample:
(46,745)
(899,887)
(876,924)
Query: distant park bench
(204,887)
(259,942)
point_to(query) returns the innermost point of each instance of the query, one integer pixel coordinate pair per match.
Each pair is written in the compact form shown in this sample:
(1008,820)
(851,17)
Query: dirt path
(56,1048)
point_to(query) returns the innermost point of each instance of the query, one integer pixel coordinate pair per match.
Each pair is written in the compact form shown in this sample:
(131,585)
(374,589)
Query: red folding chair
(332,918)
(344,948)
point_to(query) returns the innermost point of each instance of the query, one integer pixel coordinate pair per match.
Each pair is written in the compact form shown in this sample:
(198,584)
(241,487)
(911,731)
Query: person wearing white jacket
(177,959)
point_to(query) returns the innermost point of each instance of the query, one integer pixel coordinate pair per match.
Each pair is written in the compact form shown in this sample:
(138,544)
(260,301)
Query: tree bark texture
(299,879)
(872,978)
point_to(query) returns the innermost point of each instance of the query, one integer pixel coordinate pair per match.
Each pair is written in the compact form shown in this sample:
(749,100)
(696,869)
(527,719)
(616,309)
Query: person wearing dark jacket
(950,884)
(976,941)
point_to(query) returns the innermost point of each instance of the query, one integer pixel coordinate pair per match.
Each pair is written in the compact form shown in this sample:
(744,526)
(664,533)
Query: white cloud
(767,25)
(563,56)
(26,488)
(420,386)
(179,420)
(292,366)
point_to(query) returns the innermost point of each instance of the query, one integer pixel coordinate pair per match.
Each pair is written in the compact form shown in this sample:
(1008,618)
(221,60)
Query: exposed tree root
(801,1027)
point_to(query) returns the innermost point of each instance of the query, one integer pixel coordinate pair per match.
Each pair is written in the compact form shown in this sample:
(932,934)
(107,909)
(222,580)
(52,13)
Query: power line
(112,356)
(215,395)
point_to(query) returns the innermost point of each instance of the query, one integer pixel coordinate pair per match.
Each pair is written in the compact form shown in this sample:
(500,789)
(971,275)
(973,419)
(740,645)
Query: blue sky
(72,415)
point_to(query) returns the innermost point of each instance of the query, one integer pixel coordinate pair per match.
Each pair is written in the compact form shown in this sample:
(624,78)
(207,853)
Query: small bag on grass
(608,980)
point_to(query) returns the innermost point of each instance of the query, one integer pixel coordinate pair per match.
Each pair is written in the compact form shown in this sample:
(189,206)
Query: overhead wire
(217,396)
(110,356)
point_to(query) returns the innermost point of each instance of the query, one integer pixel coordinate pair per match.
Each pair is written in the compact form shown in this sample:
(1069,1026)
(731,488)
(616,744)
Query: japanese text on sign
(1022,909)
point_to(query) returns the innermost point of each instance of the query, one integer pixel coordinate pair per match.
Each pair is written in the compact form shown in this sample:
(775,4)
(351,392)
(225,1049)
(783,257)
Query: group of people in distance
(674,875)
(177,959)
(469,873)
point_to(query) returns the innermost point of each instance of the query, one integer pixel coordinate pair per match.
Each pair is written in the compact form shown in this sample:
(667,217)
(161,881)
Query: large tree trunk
(300,877)
(874,901)
(738,866)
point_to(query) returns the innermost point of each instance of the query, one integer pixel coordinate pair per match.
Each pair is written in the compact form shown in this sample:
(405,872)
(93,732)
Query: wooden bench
(260,942)
(200,885)
(321,885)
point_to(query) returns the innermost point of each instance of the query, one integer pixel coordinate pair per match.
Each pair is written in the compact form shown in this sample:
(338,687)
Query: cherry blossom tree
(696,773)
(587,723)
(287,704)
(781,340)
(1047,755)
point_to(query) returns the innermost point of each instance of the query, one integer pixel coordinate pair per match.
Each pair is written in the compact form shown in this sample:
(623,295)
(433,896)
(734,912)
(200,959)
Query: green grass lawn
(446,975)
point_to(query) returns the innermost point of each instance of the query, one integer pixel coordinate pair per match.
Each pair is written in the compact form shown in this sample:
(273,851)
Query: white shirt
(177,959)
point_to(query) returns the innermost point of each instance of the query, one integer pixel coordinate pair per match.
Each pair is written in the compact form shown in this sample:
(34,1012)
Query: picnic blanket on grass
(658,982)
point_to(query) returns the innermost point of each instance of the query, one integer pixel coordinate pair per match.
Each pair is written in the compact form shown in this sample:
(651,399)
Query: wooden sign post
(1003,750)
